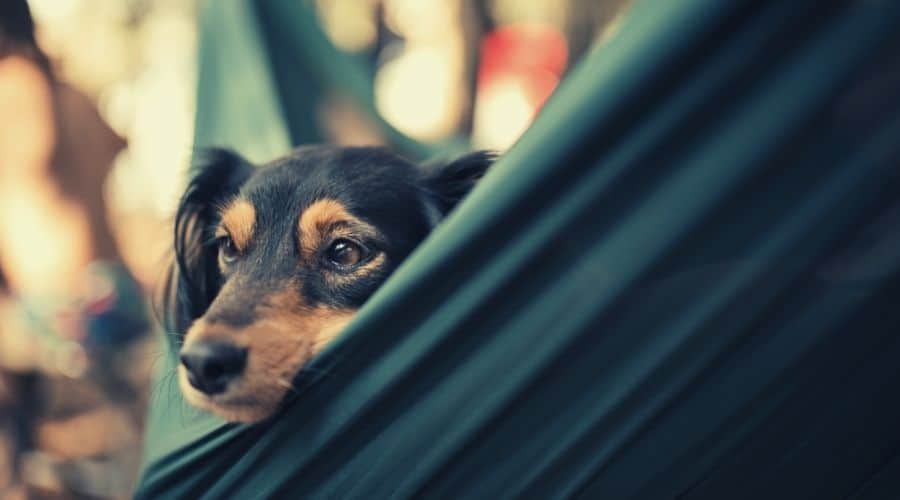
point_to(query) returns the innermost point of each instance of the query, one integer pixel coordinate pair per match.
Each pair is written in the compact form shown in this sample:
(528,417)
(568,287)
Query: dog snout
(212,365)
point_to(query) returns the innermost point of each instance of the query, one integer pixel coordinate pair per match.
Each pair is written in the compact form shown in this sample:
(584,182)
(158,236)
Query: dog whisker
(287,385)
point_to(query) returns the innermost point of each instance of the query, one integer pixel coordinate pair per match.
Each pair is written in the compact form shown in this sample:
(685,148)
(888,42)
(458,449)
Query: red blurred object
(533,54)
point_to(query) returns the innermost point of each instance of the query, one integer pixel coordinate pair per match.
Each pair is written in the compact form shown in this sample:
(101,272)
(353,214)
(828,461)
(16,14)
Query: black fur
(449,183)
(402,200)
(194,278)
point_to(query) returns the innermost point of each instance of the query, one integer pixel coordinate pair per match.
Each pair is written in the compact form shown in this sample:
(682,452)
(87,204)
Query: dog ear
(449,183)
(194,279)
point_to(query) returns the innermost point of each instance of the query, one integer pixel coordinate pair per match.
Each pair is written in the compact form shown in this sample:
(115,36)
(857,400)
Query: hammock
(681,282)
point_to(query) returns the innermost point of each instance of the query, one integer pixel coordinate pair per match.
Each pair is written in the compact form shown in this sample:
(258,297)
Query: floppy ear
(193,279)
(449,183)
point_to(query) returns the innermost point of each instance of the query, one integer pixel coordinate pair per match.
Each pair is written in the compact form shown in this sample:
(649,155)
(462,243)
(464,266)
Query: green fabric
(307,66)
(238,102)
(682,282)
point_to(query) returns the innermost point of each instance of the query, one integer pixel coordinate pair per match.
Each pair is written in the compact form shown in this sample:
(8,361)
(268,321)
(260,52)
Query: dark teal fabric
(681,283)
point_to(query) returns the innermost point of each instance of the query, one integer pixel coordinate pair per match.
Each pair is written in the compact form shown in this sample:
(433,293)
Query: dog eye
(227,250)
(345,253)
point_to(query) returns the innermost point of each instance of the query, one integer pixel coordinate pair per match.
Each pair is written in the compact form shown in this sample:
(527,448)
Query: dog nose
(211,365)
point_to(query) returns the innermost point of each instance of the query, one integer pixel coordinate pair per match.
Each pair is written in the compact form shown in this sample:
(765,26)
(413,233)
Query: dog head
(272,262)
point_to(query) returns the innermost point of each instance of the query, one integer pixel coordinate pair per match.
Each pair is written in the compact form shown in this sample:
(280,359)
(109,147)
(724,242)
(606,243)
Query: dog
(272,262)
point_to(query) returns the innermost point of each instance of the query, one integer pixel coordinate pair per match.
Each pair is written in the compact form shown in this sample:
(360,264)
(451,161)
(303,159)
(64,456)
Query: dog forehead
(324,164)
(365,181)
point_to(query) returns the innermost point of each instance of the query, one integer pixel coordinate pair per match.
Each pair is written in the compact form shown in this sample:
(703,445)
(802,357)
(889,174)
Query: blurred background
(98,100)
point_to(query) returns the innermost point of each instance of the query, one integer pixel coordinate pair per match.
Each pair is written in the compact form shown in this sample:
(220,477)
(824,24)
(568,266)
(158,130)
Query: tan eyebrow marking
(238,221)
(320,219)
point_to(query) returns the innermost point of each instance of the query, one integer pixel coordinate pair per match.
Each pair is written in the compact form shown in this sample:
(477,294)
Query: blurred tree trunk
(476,22)
(586,20)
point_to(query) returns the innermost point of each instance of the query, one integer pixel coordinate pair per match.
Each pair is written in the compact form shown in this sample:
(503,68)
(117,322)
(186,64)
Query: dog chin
(231,405)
